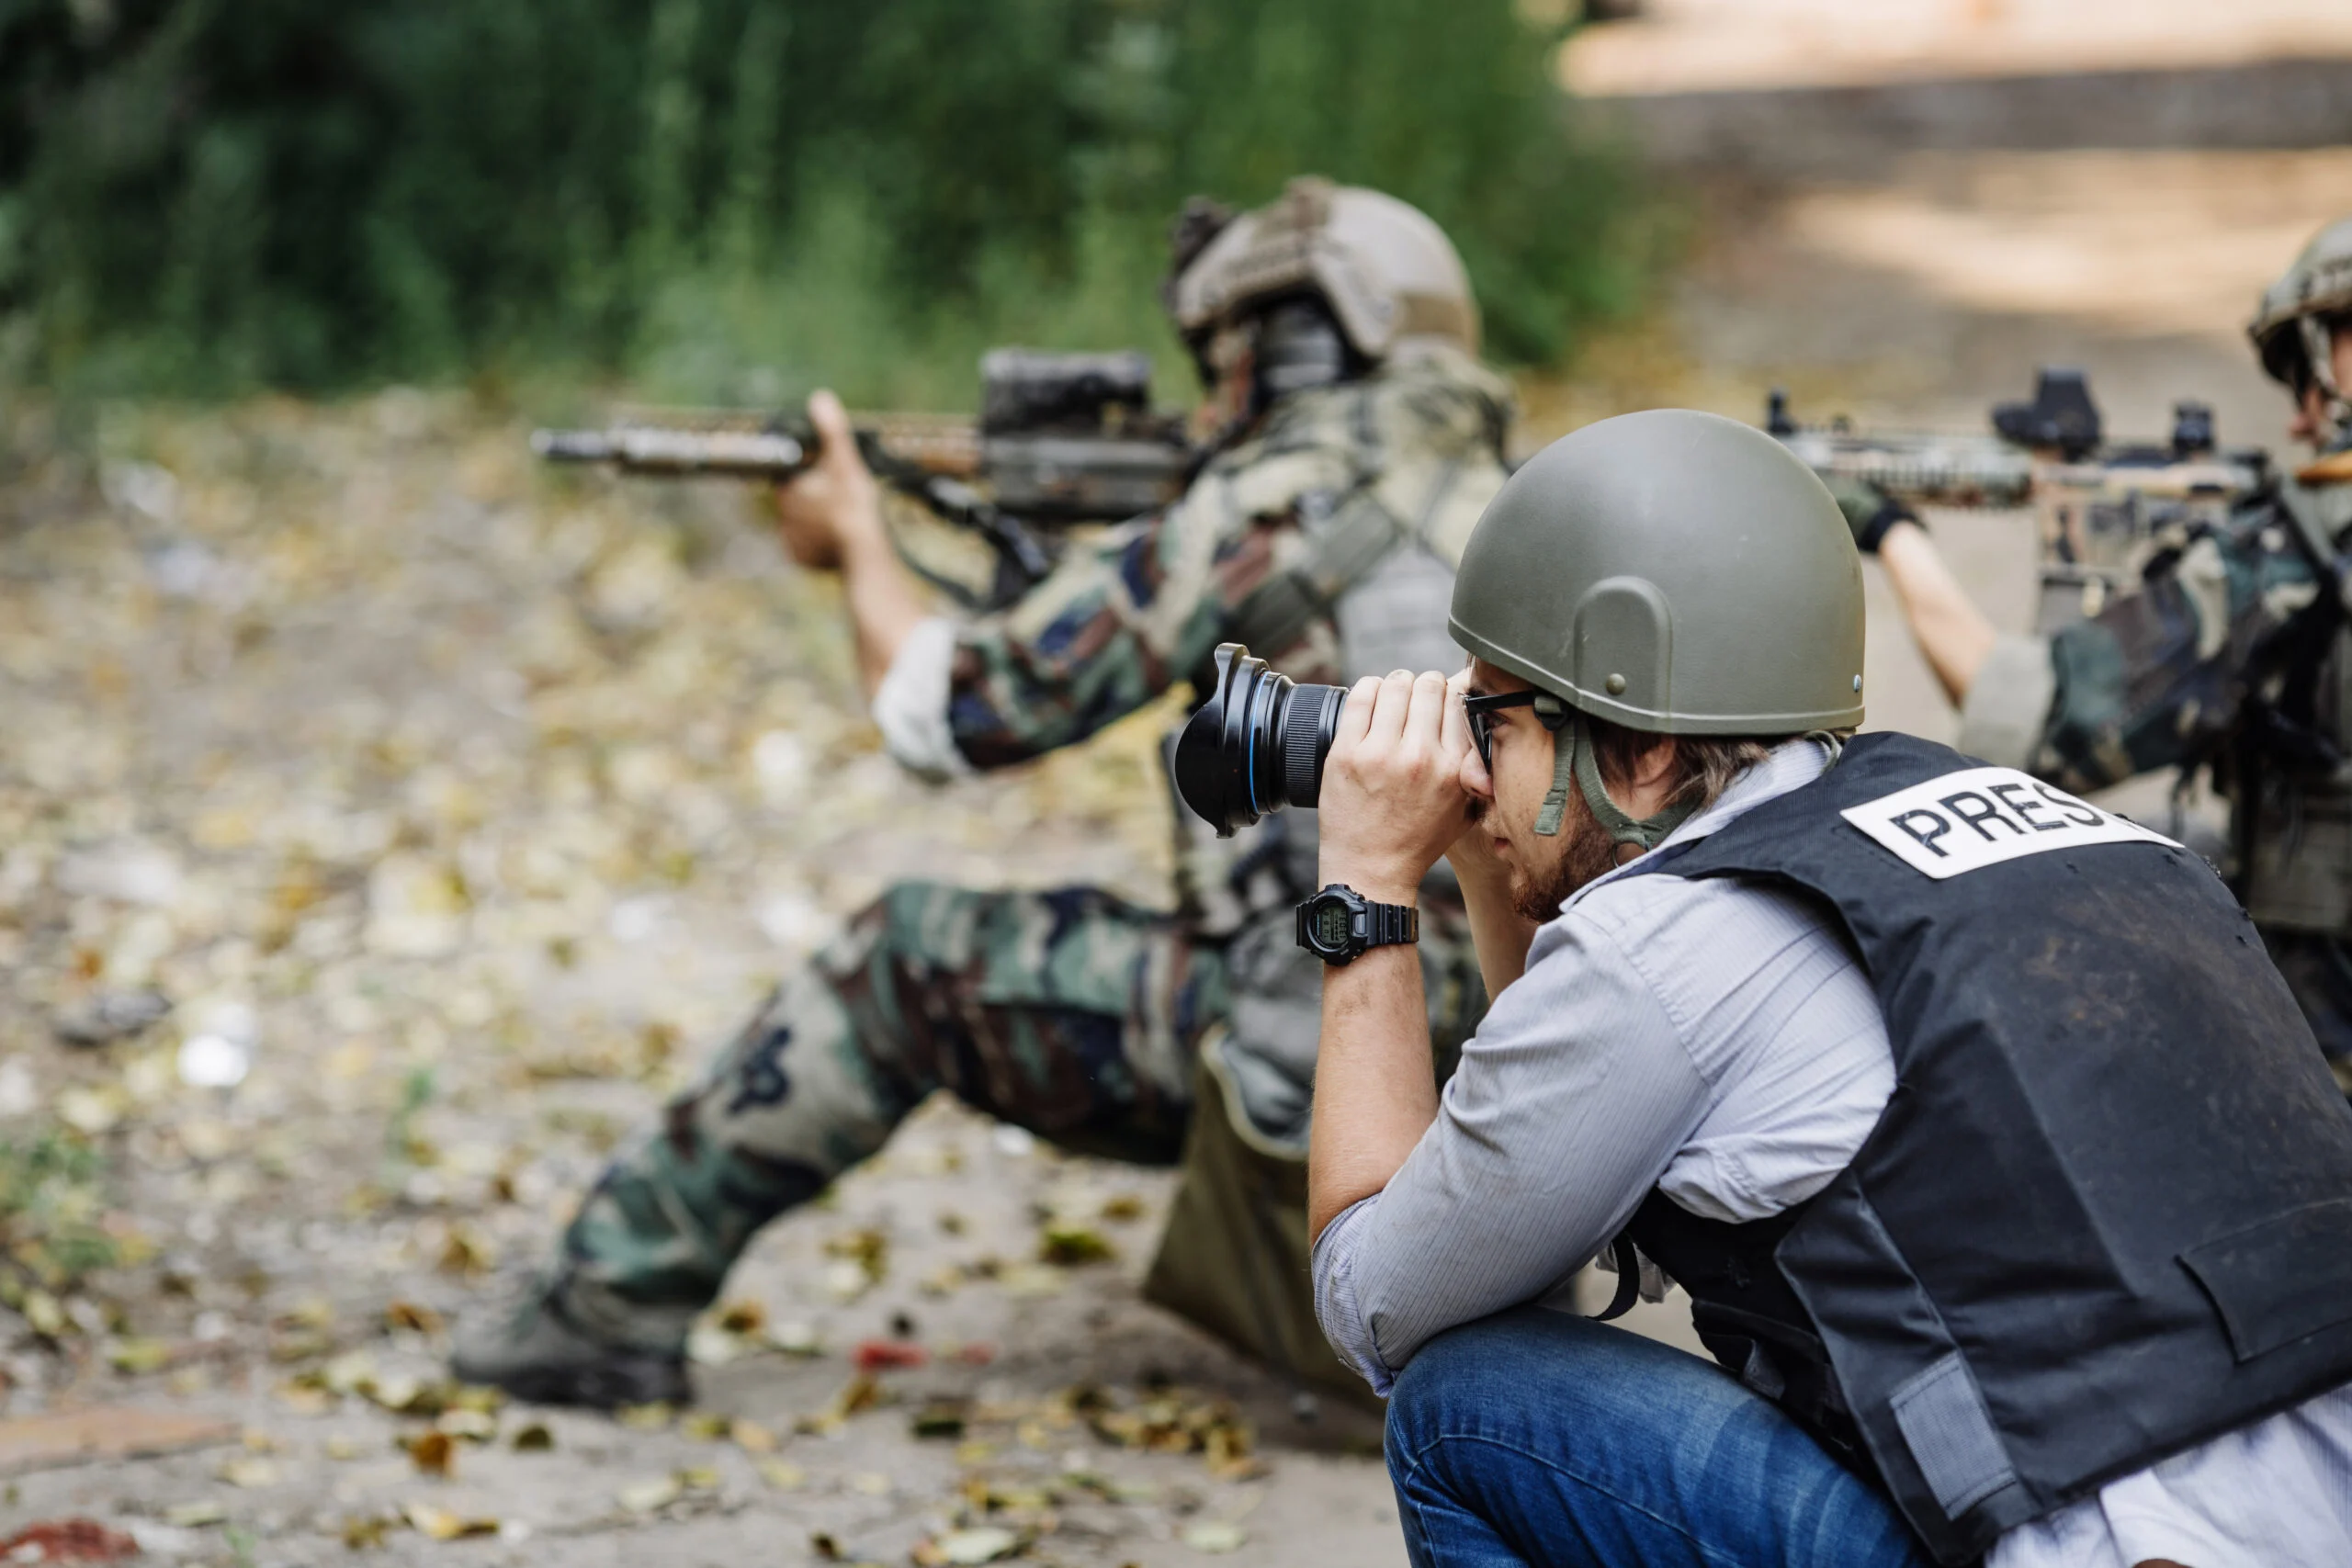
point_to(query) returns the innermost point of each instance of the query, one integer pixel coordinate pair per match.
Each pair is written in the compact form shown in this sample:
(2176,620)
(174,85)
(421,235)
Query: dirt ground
(458,810)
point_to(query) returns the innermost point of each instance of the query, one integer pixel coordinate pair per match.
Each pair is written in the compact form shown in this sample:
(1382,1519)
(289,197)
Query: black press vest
(2107,1213)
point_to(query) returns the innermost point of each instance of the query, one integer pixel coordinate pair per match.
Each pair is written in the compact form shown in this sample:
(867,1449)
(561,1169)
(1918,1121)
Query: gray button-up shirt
(1715,1039)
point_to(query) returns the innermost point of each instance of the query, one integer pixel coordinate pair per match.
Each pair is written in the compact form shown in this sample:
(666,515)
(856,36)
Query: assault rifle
(1062,439)
(2104,509)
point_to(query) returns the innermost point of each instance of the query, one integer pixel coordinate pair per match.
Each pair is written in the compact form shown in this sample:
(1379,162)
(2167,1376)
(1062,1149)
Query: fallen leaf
(473,1426)
(1069,1245)
(432,1452)
(303,1400)
(362,1532)
(67,1540)
(940,1418)
(782,1475)
(870,1483)
(440,1524)
(351,1372)
(44,1313)
(744,1317)
(467,1252)
(1214,1536)
(878,1355)
(751,1436)
(796,1338)
(1031,1279)
(983,1543)
(1123,1208)
(250,1474)
(135,1356)
(533,1438)
(653,1417)
(649,1496)
(412,1317)
(190,1516)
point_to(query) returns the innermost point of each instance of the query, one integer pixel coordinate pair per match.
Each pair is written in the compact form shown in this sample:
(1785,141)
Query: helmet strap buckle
(1575,757)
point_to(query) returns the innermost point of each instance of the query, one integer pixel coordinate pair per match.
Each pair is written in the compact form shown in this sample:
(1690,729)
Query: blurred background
(386,824)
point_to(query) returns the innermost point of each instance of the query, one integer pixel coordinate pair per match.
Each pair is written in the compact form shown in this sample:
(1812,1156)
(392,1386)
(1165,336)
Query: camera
(1257,743)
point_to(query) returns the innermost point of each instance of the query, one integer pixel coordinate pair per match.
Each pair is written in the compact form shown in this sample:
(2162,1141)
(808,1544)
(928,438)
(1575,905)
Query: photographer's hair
(1704,765)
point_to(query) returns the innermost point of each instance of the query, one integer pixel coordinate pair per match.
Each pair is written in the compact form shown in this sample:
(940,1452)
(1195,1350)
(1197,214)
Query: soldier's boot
(540,1353)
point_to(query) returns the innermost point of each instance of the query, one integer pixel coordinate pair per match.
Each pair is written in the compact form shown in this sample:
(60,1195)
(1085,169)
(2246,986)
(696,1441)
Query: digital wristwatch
(1338,924)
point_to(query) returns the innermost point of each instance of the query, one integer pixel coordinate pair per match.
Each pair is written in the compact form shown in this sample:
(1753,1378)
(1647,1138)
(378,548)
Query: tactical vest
(2107,1213)
(2293,810)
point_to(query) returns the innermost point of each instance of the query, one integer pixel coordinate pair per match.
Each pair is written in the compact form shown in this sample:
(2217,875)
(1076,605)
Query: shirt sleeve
(2157,678)
(1123,616)
(911,704)
(1572,1098)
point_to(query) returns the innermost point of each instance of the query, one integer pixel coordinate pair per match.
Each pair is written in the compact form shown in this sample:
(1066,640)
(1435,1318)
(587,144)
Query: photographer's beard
(1582,852)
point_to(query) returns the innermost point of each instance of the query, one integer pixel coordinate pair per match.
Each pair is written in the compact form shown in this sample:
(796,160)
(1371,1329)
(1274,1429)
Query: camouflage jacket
(1139,607)
(2161,677)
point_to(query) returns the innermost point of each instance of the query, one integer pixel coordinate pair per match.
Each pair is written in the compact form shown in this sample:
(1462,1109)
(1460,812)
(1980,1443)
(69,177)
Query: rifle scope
(1256,745)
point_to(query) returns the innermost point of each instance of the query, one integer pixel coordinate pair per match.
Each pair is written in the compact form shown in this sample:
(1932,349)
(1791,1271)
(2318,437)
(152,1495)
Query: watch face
(1330,924)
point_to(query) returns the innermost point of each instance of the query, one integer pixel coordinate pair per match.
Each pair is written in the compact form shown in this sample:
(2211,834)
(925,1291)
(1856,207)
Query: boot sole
(606,1386)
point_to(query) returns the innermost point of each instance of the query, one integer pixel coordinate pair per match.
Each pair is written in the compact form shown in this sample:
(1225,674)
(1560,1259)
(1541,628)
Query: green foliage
(49,1212)
(731,198)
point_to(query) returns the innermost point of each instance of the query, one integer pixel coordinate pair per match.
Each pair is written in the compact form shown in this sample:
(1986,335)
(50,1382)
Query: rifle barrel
(651,449)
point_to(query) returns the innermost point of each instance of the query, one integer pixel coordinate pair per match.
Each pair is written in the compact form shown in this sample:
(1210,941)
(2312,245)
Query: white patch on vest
(1980,817)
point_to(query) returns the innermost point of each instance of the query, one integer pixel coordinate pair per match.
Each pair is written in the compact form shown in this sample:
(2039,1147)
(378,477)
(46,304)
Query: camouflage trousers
(1069,1012)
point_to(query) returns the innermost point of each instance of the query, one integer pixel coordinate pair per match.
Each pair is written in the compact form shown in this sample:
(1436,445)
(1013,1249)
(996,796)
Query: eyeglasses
(1549,710)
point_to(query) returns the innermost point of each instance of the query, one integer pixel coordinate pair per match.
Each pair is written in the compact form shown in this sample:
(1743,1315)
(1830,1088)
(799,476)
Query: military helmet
(1671,571)
(2289,327)
(1389,274)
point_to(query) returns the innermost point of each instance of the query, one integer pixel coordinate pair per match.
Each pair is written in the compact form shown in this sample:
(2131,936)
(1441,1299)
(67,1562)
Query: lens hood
(1256,744)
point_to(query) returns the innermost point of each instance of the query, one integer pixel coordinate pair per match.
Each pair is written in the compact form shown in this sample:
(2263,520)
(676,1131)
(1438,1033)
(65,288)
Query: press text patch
(1981,817)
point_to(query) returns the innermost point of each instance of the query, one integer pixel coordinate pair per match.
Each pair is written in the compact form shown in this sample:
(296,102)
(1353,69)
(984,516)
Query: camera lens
(1256,745)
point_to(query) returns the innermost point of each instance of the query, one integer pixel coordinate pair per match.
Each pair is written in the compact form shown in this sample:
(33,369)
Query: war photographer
(2013,1201)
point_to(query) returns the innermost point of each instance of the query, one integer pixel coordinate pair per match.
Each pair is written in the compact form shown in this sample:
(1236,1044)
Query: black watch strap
(1391,923)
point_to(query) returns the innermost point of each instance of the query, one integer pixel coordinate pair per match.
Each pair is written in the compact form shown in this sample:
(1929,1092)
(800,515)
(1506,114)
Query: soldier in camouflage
(1356,439)
(2233,656)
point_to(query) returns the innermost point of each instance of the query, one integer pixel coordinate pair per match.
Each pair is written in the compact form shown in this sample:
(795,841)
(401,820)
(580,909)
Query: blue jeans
(1535,1438)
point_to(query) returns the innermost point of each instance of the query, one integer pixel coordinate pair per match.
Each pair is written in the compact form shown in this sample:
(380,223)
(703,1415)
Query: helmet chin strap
(1573,757)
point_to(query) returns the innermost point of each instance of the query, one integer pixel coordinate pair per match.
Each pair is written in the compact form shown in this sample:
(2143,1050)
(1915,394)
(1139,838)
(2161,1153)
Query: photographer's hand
(1393,800)
(1393,797)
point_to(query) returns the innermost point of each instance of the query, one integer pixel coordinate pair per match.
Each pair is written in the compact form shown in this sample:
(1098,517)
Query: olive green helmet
(1671,571)
(2290,327)
(1390,275)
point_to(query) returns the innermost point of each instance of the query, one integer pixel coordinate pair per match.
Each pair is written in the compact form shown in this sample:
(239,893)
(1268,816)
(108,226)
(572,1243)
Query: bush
(727,197)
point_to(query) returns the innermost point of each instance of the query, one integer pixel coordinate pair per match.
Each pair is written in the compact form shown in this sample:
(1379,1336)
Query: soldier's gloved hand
(1870,511)
(832,509)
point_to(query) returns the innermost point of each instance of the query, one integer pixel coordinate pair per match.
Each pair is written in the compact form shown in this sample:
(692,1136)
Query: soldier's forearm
(1950,630)
(885,604)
